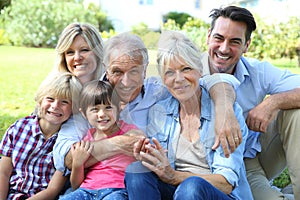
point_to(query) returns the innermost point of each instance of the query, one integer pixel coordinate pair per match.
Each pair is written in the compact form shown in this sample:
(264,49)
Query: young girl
(26,167)
(99,104)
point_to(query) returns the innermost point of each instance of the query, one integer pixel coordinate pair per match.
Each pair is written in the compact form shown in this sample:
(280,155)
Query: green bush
(38,23)
(3,38)
(179,17)
(149,37)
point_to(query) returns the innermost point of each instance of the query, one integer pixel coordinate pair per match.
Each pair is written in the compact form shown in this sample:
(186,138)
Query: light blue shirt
(164,125)
(135,112)
(258,79)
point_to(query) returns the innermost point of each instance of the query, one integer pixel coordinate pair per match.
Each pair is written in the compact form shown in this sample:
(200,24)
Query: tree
(4,3)
(38,23)
(179,18)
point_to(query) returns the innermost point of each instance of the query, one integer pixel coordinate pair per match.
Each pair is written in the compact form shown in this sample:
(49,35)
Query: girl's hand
(81,152)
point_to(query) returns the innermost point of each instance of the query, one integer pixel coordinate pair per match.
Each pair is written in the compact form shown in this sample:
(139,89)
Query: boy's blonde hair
(62,85)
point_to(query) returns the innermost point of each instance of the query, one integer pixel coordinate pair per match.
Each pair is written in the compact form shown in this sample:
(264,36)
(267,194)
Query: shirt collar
(173,106)
(241,71)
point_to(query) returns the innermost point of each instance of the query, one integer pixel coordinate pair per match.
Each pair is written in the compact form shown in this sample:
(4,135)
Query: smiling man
(274,122)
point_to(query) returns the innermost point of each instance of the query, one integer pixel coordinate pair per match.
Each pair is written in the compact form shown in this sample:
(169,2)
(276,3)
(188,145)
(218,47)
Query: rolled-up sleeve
(208,81)
(71,132)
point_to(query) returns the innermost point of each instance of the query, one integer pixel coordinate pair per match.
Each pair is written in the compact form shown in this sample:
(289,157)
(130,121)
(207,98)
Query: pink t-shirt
(108,173)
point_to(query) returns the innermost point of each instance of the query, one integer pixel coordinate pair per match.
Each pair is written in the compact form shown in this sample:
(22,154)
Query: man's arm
(221,89)
(261,116)
(109,147)
(71,131)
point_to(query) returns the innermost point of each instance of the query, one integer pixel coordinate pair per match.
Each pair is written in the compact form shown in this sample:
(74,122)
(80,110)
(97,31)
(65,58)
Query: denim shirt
(164,125)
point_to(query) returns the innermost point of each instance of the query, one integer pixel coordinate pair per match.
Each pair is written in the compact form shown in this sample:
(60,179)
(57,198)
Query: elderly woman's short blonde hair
(174,45)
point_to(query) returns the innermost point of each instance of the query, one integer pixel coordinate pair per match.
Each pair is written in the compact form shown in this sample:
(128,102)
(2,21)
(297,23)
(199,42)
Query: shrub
(3,38)
(179,17)
(38,23)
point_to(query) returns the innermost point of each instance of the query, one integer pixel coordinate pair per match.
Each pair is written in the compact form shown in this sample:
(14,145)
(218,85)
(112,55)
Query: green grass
(22,70)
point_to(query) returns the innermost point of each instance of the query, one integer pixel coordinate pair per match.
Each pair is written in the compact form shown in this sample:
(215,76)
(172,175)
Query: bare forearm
(4,182)
(68,160)
(4,189)
(77,176)
(222,94)
(102,150)
(285,100)
(216,180)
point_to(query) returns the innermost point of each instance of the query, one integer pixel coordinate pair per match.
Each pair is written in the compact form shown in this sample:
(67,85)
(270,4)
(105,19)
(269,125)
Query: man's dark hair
(236,14)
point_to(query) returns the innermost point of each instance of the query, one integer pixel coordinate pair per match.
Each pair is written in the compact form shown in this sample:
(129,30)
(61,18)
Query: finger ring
(236,138)
(158,165)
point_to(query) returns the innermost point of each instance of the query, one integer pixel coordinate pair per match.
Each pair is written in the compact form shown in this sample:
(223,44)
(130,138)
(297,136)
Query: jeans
(147,186)
(102,194)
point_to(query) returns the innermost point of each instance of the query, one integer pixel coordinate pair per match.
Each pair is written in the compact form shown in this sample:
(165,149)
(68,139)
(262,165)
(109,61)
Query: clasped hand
(154,157)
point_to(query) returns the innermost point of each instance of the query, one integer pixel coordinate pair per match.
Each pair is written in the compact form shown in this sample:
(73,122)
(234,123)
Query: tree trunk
(298,54)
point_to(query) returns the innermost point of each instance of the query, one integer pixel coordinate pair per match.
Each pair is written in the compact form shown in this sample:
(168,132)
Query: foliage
(107,34)
(179,17)
(140,29)
(149,37)
(283,180)
(103,23)
(4,3)
(38,23)
(3,38)
(195,29)
(275,40)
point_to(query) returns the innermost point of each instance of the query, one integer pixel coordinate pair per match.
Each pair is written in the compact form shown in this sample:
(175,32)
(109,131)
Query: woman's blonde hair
(63,85)
(92,37)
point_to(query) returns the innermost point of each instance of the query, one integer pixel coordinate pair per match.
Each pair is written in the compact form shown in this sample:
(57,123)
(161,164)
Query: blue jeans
(146,185)
(102,194)
(198,189)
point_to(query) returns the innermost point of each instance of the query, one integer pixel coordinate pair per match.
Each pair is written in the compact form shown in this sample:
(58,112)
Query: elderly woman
(181,161)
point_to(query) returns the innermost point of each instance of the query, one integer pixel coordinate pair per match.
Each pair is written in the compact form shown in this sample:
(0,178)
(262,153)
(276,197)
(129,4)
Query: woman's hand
(154,158)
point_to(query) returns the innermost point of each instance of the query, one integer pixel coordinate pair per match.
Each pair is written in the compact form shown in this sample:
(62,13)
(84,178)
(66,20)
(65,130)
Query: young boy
(100,105)
(26,166)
